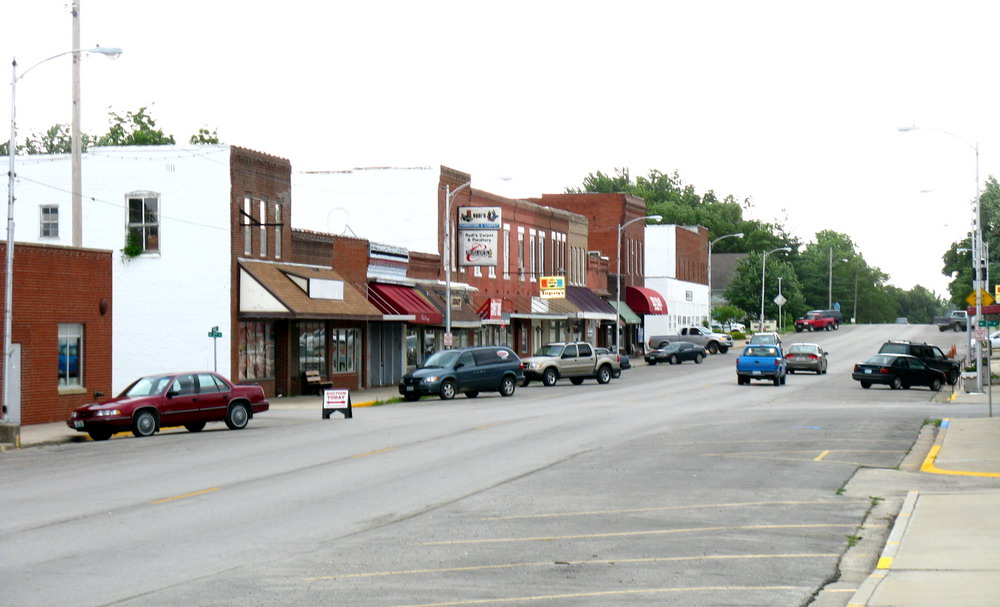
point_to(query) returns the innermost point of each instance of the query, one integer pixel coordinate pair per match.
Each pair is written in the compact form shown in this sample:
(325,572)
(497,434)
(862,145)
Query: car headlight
(108,413)
(431,379)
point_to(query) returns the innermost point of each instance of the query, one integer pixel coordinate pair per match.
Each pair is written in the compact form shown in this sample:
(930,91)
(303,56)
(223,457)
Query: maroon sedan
(173,399)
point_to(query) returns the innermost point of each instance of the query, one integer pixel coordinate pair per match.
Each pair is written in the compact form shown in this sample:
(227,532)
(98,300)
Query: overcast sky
(792,104)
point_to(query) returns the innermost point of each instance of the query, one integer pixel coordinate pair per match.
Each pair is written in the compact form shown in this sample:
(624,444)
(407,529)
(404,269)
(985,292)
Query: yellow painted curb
(928,466)
(367,403)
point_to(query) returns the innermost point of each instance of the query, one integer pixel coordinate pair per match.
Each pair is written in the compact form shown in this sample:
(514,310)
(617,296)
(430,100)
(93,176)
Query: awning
(591,305)
(276,290)
(463,317)
(643,300)
(403,301)
(628,316)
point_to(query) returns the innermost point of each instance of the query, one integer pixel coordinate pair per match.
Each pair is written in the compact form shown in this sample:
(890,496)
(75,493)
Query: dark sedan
(897,371)
(676,352)
(171,399)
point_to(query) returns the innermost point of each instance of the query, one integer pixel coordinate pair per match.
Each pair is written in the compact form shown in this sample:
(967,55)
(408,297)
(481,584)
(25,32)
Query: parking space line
(585,536)
(375,452)
(665,559)
(820,457)
(574,595)
(186,495)
(665,508)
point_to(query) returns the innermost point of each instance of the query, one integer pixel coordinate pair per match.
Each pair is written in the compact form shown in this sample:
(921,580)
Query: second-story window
(144,220)
(48,226)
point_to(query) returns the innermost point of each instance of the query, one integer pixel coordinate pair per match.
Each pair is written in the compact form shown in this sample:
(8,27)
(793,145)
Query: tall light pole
(829,301)
(449,194)
(763,273)
(977,255)
(618,275)
(13,413)
(710,245)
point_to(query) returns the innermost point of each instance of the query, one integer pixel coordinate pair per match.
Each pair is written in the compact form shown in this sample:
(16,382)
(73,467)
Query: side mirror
(459,365)
(172,393)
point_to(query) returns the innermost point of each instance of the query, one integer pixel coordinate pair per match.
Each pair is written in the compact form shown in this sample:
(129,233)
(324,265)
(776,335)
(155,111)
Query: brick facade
(54,285)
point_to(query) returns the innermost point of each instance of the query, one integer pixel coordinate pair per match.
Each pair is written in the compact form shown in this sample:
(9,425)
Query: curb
(868,587)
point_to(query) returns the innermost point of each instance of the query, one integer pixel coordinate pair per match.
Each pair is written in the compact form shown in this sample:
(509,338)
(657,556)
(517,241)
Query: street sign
(780,300)
(989,323)
(215,333)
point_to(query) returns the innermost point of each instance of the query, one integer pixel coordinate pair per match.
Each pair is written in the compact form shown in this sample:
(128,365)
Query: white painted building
(687,302)
(168,298)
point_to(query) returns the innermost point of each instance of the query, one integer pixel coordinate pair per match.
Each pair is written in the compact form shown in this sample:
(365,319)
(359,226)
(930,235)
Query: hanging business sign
(477,248)
(479,218)
(552,287)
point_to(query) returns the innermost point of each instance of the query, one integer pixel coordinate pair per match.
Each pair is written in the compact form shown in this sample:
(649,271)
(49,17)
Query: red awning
(645,301)
(400,300)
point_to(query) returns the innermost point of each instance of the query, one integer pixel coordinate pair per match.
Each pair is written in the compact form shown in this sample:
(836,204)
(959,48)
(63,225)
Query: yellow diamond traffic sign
(985,298)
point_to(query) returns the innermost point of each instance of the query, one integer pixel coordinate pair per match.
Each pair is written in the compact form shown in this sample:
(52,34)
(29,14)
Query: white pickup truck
(703,336)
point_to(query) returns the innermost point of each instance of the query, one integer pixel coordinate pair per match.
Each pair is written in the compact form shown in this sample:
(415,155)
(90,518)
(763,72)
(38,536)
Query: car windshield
(802,350)
(762,339)
(441,360)
(148,386)
(761,351)
(672,347)
(550,350)
(893,349)
(880,360)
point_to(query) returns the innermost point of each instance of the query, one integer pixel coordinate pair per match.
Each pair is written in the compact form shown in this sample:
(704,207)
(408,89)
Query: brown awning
(402,300)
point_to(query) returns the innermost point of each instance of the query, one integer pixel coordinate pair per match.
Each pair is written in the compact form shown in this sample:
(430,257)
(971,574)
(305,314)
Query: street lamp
(449,194)
(763,271)
(977,255)
(618,275)
(13,414)
(710,244)
(829,301)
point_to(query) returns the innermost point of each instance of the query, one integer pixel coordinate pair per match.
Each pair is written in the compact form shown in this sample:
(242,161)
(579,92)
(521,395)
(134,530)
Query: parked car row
(904,364)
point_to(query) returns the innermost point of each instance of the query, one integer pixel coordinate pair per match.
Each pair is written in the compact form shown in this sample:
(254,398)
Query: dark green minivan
(466,370)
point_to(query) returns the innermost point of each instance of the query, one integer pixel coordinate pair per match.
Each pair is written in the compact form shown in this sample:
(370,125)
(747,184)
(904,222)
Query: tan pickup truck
(575,361)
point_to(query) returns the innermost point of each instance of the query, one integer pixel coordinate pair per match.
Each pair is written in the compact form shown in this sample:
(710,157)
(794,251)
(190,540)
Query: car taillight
(883,370)
(737,360)
(857,368)
(777,362)
(788,355)
(813,357)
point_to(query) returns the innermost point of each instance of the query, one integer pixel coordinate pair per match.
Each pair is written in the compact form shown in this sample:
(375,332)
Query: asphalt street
(671,486)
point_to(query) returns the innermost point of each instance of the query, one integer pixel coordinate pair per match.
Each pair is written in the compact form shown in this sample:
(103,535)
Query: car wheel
(952,377)
(798,329)
(144,423)
(447,390)
(698,358)
(650,362)
(550,377)
(723,349)
(935,384)
(576,381)
(836,326)
(99,434)
(896,383)
(784,378)
(604,374)
(237,417)
(791,371)
(507,386)
(866,384)
(408,397)
(472,394)
(673,359)
(829,327)
(713,348)
(777,380)
(195,427)
(739,380)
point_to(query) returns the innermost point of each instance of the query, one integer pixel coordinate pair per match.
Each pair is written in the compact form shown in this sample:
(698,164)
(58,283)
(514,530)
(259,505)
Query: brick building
(61,330)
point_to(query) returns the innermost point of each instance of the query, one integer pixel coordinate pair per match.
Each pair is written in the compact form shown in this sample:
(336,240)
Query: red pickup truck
(816,321)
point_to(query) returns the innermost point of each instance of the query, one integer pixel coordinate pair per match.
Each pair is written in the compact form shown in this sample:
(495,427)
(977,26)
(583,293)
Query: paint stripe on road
(608,593)
(186,495)
(664,508)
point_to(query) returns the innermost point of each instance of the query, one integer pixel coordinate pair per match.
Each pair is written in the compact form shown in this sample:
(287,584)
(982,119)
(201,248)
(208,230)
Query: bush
(737,335)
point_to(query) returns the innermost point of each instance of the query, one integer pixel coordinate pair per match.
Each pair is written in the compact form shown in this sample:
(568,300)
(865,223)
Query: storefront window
(346,350)
(431,343)
(256,359)
(312,347)
(412,348)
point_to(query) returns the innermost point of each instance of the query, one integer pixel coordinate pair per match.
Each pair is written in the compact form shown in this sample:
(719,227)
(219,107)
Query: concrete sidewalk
(944,547)
(58,432)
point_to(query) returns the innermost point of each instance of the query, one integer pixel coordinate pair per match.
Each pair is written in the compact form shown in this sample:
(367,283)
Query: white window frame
(145,227)
(72,331)
(43,221)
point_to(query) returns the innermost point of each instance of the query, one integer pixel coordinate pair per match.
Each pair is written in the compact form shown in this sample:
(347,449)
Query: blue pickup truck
(760,361)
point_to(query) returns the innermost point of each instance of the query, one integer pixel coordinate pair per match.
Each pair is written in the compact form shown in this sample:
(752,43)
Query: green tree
(744,291)
(919,305)
(134,128)
(205,137)
(728,312)
(57,139)
(957,264)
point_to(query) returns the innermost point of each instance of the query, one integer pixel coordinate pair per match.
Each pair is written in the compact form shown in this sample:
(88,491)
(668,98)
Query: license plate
(78,424)
(409,388)
(868,370)
(756,372)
